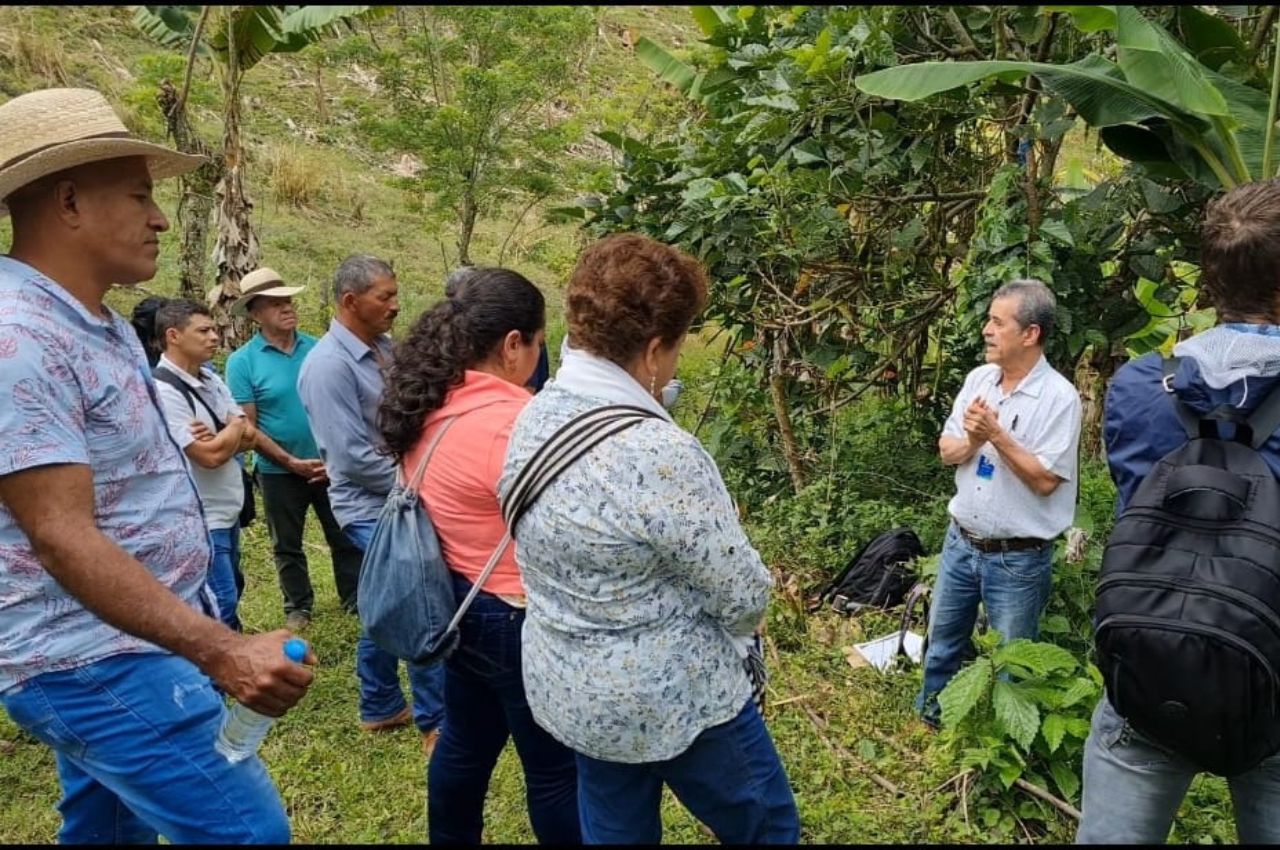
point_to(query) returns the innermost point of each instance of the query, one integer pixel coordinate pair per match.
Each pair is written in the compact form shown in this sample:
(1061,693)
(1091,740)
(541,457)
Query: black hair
(451,337)
(176,314)
(143,320)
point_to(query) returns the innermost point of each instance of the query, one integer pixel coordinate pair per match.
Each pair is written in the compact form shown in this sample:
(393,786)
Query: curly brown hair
(1240,251)
(627,289)
(445,341)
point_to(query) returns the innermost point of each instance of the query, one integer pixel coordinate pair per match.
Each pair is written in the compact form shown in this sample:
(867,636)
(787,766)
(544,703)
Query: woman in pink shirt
(463,368)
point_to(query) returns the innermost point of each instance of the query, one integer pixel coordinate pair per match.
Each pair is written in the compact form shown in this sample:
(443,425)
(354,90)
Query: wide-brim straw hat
(263,281)
(47,131)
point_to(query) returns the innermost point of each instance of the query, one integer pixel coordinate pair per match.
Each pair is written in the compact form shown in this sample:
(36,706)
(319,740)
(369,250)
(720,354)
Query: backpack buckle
(840,603)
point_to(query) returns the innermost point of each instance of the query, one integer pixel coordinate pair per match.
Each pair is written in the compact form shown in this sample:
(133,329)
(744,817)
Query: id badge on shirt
(986,469)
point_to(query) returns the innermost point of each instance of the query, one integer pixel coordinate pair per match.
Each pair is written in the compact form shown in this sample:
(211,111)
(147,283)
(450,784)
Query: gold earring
(653,384)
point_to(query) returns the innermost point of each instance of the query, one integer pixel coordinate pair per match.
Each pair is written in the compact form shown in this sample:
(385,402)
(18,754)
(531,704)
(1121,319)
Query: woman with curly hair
(460,376)
(644,592)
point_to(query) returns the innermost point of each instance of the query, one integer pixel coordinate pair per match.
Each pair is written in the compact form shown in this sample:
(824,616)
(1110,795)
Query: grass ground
(342,785)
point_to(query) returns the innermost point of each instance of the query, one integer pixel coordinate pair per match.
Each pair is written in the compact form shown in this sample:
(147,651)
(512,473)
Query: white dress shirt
(1043,415)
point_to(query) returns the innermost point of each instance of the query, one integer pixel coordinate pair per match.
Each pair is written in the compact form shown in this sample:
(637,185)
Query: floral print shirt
(640,582)
(77,390)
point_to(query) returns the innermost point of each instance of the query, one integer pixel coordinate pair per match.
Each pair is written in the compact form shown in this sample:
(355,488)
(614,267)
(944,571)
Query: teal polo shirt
(258,373)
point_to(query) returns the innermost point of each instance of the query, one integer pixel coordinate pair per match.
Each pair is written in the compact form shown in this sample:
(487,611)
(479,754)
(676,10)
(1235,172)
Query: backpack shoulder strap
(416,482)
(1190,421)
(569,442)
(165,376)
(1265,418)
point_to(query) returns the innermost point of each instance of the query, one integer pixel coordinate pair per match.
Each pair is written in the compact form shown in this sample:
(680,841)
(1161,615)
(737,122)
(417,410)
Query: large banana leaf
(304,25)
(1207,116)
(695,85)
(258,31)
(1088,18)
(668,68)
(710,18)
(1211,40)
(168,26)
(1153,61)
(1094,86)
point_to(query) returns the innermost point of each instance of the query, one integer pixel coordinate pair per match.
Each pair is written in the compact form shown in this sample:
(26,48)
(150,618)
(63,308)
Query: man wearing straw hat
(107,650)
(263,377)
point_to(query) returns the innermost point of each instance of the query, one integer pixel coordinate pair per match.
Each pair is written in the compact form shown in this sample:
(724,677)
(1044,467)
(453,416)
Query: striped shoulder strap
(570,441)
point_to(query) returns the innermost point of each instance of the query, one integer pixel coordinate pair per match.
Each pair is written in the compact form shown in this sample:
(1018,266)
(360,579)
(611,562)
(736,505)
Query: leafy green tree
(235,39)
(477,92)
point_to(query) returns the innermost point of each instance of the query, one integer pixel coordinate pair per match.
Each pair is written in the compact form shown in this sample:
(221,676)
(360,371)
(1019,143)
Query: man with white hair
(263,377)
(1013,436)
(108,652)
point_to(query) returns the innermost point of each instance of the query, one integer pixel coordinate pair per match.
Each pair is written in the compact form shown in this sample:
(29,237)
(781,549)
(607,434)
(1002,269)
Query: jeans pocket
(30,707)
(1029,565)
(491,642)
(1110,726)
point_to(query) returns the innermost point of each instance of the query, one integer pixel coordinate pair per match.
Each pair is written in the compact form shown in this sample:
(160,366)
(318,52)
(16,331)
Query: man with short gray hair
(1013,436)
(340,385)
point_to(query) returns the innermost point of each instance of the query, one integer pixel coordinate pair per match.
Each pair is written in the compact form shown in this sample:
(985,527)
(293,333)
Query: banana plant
(235,39)
(1156,105)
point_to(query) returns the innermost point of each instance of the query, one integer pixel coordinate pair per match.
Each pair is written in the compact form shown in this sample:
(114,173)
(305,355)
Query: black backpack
(879,575)
(1188,605)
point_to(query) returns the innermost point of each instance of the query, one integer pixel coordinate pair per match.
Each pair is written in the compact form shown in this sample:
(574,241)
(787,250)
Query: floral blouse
(640,581)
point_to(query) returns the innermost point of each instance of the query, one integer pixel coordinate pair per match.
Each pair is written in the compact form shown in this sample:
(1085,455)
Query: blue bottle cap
(295,649)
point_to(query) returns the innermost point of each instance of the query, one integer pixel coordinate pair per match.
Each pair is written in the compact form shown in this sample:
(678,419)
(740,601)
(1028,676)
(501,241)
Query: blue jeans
(379,670)
(133,735)
(1013,587)
(225,543)
(1133,787)
(485,703)
(730,778)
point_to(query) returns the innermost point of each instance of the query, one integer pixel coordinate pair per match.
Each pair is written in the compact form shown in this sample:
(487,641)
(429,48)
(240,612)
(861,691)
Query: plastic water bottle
(243,729)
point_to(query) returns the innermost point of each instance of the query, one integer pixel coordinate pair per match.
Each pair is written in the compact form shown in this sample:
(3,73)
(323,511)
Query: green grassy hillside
(320,190)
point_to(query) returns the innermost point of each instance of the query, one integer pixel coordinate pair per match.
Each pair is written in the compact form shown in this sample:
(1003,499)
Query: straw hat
(53,129)
(263,281)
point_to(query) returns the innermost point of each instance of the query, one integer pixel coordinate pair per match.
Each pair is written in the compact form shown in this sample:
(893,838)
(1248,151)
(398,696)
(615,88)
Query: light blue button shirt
(77,390)
(340,384)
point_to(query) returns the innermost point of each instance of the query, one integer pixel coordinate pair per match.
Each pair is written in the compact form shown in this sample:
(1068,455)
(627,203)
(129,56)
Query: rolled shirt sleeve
(1058,446)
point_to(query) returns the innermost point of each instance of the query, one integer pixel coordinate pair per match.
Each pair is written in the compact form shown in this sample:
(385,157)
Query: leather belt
(1005,544)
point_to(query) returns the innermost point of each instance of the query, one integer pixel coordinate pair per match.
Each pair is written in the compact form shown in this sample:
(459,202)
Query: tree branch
(191,58)
(962,35)
(1036,791)
(1263,27)
(845,755)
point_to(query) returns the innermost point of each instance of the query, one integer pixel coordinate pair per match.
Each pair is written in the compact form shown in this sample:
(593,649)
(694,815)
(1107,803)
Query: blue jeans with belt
(379,670)
(485,702)
(1013,587)
(133,735)
(730,778)
(1133,787)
